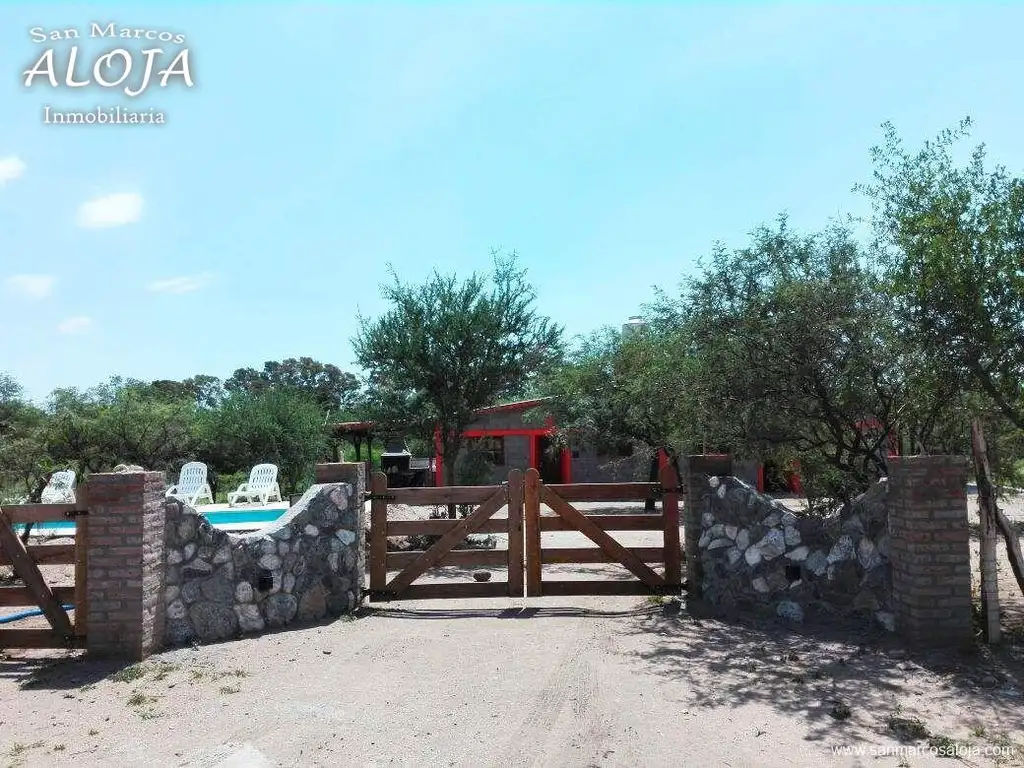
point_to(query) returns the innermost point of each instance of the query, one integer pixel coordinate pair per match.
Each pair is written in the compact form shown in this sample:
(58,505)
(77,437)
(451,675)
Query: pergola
(355,432)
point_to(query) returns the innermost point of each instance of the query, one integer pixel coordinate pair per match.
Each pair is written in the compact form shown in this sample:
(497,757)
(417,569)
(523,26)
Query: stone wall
(755,553)
(301,568)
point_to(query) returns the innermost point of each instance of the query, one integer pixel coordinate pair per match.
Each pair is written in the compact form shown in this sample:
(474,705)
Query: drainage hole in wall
(265,580)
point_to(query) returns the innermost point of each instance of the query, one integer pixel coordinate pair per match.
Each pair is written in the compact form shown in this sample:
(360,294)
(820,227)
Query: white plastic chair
(262,486)
(192,485)
(60,489)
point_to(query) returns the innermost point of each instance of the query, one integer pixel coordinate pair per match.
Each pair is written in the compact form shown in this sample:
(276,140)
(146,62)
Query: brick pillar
(125,567)
(930,551)
(698,470)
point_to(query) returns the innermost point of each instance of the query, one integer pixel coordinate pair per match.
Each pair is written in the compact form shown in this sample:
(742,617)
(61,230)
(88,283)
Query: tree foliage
(950,235)
(279,425)
(332,388)
(159,425)
(448,347)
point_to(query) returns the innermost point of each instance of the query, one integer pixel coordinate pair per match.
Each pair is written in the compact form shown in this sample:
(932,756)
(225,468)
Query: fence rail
(35,591)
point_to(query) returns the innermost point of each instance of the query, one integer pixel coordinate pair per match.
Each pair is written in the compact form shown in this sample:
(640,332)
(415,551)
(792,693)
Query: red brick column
(125,569)
(698,470)
(930,551)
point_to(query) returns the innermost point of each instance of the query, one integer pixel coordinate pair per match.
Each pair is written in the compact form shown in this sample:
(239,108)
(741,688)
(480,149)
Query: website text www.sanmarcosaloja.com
(103,116)
(951,749)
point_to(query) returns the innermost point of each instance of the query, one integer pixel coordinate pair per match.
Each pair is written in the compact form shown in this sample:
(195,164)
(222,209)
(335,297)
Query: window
(491,448)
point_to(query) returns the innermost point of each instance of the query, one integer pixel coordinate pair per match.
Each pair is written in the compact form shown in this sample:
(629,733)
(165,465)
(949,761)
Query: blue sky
(610,145)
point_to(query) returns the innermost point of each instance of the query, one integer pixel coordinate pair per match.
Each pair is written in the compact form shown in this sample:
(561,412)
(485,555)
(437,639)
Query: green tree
(121,421)
(24,462)
(616,391)
(950,236)
(204,390)
(796,355)
(332,388)
(447,347)
(279,425)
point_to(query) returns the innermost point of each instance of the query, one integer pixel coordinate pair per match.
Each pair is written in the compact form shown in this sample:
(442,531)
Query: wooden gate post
(515,533)
(378,536)
(81,561)
(532,527)
(670,517)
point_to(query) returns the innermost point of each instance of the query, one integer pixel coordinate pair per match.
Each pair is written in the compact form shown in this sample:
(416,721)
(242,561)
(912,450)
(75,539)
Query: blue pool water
(260,517)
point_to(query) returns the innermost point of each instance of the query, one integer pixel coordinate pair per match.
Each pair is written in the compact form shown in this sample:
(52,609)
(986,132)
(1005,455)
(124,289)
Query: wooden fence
(35,592)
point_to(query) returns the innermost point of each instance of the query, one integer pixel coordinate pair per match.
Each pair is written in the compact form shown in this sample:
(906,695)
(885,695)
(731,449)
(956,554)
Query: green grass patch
(139,699)
(128,674)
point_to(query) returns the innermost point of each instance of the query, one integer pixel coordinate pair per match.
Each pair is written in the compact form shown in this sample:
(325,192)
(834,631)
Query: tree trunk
(987,534)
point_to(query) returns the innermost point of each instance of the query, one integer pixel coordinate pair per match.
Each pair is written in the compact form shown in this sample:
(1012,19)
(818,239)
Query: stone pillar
(351,472)
(930,551)
(698,470)
(125,566)
(354,474)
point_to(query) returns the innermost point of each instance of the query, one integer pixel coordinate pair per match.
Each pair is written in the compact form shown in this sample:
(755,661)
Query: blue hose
(28,614)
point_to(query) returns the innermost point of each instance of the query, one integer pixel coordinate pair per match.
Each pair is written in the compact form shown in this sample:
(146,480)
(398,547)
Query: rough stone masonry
(307,565)
(755,553)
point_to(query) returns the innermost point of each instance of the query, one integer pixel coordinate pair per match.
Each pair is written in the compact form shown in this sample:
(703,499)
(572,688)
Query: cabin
(515,436)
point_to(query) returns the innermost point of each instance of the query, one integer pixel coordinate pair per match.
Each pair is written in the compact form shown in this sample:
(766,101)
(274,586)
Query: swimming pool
(229,519)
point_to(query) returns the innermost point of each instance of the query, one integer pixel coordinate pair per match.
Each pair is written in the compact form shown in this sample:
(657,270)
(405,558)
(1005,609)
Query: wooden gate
(26,560)
(560,498)
(489,499)
(525,556)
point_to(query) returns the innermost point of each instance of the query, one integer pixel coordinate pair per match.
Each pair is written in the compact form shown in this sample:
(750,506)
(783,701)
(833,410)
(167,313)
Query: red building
(514,438)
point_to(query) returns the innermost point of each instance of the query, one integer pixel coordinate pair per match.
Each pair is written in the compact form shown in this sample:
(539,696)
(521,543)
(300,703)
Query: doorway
(549,460)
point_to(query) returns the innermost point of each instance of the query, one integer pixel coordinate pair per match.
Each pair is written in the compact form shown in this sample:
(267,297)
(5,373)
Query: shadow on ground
(842,677)
(71,671)
(442,614)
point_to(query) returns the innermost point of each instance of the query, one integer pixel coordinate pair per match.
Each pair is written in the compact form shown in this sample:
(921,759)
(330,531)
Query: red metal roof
(519,405)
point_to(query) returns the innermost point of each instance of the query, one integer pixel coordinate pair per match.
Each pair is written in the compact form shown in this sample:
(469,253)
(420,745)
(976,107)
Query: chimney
(634,325)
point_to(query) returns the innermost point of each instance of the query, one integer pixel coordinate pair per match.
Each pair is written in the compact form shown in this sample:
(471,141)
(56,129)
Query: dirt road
(529,682)
(559,682)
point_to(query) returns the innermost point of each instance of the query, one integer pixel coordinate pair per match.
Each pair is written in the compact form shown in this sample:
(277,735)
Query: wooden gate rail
(411,565)
(596,527)
(26,561)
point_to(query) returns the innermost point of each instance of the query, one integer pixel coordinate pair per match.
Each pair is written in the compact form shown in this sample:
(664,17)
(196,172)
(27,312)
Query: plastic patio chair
(192,485)
(60,489)
(262,486)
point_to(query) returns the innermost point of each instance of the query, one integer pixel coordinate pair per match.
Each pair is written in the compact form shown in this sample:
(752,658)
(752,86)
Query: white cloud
(11,167)
(75,325)
(110,211)
(183,284)
(32,286)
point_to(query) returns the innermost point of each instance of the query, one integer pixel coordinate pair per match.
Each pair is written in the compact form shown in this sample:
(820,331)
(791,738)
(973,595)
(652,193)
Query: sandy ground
(581,681)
